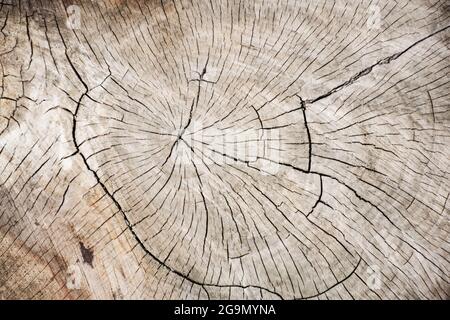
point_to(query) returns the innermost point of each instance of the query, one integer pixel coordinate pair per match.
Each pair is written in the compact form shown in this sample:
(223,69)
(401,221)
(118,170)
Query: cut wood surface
(232,149)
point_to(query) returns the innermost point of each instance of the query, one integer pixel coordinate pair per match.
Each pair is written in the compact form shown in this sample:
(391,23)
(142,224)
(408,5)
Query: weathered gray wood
(224,149)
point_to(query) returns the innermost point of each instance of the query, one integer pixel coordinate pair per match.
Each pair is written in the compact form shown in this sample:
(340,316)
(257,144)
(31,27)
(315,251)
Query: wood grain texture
(224,149)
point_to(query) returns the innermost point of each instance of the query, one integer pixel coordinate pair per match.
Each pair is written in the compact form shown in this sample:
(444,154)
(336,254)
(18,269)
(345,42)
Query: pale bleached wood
(224,149)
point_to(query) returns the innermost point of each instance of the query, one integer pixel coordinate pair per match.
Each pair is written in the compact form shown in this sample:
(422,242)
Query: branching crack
(369,69)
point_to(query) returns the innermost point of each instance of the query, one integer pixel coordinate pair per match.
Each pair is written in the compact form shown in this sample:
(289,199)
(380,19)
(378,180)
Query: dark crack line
(303,107)
(259,118)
